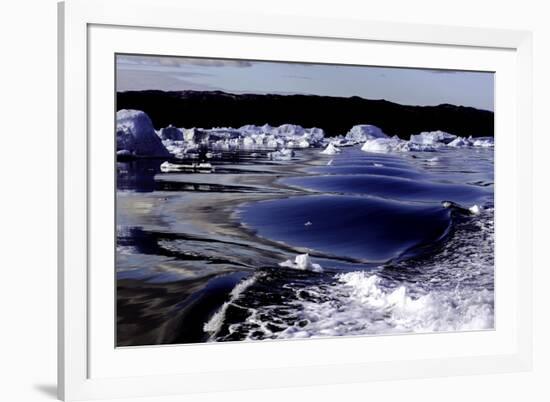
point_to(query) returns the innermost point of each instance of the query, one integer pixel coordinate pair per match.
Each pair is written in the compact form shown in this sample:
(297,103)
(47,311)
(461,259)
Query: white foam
(215,323)
(302,262)
(359,303)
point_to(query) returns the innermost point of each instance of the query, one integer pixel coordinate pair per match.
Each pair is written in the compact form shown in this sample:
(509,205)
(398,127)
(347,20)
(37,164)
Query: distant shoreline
(335,115)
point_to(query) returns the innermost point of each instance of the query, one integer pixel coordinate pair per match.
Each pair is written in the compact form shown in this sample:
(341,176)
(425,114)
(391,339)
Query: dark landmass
(335,115)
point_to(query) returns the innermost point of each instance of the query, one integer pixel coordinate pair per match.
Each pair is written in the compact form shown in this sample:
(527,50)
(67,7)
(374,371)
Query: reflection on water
(138,175)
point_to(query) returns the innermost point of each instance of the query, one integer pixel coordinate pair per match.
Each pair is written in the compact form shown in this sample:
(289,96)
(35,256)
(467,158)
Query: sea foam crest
(359,303)
(215,323)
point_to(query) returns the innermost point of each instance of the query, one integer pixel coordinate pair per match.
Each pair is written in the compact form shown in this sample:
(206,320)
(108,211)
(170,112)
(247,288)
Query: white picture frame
(87,366)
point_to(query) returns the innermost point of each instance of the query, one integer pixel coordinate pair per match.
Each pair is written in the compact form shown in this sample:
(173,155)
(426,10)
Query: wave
(452,289)
(215,323)
(362,303)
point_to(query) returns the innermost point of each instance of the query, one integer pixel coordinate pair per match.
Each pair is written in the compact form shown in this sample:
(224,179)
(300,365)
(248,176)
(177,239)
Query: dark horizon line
(299,94)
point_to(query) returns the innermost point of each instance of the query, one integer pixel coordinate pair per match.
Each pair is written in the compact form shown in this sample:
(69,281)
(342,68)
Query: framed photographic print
(248,203)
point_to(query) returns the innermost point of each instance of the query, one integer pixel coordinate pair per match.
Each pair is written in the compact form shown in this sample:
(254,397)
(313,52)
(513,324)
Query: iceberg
(364,132)
(302,262)
(459,142)
(432,138)
(171,133)
(289,130)
(315,135)
(136,135)
(385,145)
(330,150)
(251,136)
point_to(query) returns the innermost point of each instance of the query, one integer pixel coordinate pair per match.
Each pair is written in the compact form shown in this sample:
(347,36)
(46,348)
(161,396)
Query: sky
(407,86)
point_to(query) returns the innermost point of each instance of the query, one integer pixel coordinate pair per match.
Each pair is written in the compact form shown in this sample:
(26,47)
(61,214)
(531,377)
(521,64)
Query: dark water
(434,265)
(365,228)
(399,248)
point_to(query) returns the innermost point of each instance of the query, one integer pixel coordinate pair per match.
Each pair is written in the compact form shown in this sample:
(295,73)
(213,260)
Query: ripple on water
(365,228)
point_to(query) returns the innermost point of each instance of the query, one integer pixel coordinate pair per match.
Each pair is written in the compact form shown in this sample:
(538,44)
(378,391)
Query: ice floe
(302,262)
(168,167)
(282,155)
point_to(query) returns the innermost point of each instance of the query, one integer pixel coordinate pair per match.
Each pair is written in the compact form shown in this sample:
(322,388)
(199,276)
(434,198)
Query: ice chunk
(364,132)
(302,262)
(249,142)
(171,133)
(289,130)
(340,142)
(168,167)
(330,150)
(282,155)
(135,134)
(459,142)
(411,146)
(484,142)
(385,145)
(475,210)
(315,135)
(432,138)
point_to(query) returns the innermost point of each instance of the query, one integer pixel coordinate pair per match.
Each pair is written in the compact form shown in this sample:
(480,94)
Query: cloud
(168,61)
(136,80)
